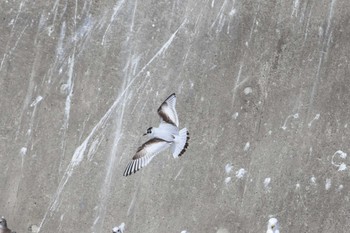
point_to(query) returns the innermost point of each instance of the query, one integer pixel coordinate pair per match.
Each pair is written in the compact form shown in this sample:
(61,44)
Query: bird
(119,229)
(272,226)
(3,226)
(166,135)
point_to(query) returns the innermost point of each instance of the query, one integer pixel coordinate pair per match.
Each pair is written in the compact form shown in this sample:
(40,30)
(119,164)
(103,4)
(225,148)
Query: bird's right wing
(145,154)
(167,111)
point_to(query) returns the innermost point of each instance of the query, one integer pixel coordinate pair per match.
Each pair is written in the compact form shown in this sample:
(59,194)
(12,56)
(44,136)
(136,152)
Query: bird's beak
(144,134)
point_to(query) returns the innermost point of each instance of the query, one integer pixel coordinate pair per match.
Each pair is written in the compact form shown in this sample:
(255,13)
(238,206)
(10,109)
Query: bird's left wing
(145,154)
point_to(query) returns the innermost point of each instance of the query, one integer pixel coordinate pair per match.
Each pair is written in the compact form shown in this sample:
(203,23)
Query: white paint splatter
(36,101)
(235,115)
(247,146)
(316,118)
(342,167)
(247,90)
(342,155)
(297,186)
(313,180)
(184,231)
(227,180)
(232,12)
(328,184)
(23,151)
(240,173)
(295,116)
(228,168)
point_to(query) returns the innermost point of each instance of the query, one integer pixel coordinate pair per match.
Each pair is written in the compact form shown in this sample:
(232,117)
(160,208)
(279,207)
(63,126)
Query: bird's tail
(180,143)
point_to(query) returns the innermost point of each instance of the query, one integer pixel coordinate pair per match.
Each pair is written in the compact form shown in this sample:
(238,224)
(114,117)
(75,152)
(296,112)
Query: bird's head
(149,131)
(3,223)
(273,224)
(119,229)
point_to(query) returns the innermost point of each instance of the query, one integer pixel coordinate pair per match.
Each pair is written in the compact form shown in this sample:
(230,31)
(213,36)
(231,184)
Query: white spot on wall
(328,184)
(247,146)
(240,173)
(341,165)
(297,186)
(247,90)
(228,168)
(340,187)
(227,180)
(235,115)
(267,182)
(232,12)
(313,180)
(23,151)
(320,32)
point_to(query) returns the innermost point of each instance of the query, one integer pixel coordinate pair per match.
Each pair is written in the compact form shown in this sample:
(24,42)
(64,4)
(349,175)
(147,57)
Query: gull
(272,226)
(119,229)
(167,135)
(3,226)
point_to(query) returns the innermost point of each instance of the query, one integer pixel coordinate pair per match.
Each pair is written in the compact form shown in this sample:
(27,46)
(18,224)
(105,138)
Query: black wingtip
(186,145)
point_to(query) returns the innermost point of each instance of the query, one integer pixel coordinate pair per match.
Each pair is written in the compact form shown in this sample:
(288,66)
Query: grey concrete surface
(262,86)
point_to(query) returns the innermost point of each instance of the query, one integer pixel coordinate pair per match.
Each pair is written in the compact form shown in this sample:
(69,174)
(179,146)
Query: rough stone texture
(261,85)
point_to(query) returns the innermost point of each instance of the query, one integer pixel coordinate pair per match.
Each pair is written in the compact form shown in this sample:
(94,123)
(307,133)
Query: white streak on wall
(328,184)
(247,146)
(295,116)
(116,9)
(36,101)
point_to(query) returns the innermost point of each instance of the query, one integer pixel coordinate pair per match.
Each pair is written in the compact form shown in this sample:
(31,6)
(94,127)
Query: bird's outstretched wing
(167,111)
(145,154)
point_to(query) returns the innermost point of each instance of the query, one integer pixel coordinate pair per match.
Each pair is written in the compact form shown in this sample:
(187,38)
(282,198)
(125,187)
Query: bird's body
(166,135)
(165,131)
(272,226)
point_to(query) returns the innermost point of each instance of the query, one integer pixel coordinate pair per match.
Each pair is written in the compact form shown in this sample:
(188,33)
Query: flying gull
(167,135)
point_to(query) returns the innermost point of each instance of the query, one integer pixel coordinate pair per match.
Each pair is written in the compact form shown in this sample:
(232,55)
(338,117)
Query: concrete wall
(262,86)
